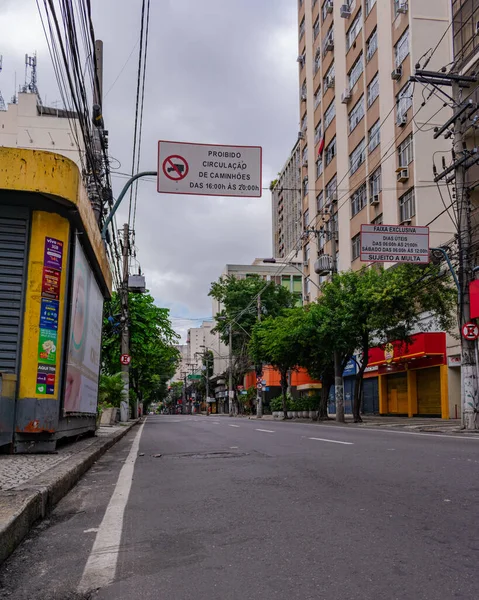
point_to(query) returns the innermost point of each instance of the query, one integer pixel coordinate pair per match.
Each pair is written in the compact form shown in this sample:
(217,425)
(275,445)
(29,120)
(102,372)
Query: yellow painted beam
(383,394)
(444,374)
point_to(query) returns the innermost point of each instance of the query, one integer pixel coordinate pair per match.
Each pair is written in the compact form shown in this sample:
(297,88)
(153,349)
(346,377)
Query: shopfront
(413,377)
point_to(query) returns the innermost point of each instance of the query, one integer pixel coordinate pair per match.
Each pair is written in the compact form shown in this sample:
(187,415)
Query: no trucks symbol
(175,167)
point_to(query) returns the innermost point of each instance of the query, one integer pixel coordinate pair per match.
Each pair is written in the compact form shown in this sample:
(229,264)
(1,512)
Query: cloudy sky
(219,71)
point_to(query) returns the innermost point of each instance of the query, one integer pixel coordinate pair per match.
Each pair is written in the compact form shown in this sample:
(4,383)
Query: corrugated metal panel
(429,391)
(13,247)
(397,394)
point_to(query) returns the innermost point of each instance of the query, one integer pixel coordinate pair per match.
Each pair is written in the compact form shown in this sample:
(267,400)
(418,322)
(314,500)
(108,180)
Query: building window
(331,189)
(371,45)
(306,219)
(405,152)
(401,49)
(355,72)
(328,40)
(369,6)
(356,114)
(316,28)
(305,186)
(329,115)
(326,9)
(398,4)
(407,208)
(374,136)
(375,183)
(358,200)
(304,89)
(317,61)
(320,202)
(357,156)
(306,252)
(305,155)
(302,27)
(373,89)
(304,123)
(356,246)
(330,150)
(404,101)
(319,167)
(317,97)
(354,30)
(318,132)
(466,39)
(378,220)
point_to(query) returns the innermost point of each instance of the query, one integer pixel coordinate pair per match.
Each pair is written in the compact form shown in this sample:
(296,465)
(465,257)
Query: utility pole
(469,380)
(338,371)
(125,320)
(207,381)
(230,374)
(259,373)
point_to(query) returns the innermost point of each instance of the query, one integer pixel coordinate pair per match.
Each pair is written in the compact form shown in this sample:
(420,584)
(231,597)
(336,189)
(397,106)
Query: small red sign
(51,283)
(175,167)
(470,331)
(125,359)
(240,387)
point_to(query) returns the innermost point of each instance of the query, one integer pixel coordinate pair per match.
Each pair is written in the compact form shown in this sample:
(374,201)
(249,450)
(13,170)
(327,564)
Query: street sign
(470,331)
(394,243)
(240,387)
(209,169)
(125,359)
(194,376)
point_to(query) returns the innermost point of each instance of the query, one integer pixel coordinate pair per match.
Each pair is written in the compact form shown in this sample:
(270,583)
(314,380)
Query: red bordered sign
(125,359)
(470,331)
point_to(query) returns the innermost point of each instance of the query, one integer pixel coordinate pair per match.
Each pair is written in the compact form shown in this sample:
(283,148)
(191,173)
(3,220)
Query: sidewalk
(432,425)
(31,484)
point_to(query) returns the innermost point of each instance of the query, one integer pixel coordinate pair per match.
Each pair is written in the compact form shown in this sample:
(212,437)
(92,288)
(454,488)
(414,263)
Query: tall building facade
(287,206)
(367,145)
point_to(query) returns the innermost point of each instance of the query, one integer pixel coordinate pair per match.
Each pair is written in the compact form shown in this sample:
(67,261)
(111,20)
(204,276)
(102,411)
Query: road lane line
(232,425)
(100,568)
(265,430)
(332,441)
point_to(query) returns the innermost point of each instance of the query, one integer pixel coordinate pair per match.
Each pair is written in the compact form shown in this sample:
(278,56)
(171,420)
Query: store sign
(454,361)
(394,243)
(350,368)
(209,170)
(371,369)
(389,353)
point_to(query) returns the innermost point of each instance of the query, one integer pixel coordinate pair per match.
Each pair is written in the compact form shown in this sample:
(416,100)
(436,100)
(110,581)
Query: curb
(22,506)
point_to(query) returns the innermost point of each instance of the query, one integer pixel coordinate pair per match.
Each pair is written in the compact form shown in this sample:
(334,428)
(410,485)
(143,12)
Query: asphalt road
(243,509)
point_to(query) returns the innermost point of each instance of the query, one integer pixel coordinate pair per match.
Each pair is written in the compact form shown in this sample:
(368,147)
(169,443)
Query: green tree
(276,341)
(239,309)
(366,308)
(154,357)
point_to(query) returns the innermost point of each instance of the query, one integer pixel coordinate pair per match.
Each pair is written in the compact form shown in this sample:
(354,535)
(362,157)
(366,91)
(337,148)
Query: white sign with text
(394,243)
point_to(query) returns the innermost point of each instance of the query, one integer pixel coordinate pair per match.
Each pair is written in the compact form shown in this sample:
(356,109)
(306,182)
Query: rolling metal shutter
(13,249)
(397,394)
(429,391)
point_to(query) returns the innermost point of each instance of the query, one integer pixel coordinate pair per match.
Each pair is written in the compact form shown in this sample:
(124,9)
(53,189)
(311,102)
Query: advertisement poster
(49,314)
(53,254)
(51,283)
(46,379)
(83,362)
(47,346)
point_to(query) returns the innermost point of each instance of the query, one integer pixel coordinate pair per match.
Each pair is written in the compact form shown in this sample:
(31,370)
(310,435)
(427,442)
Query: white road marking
(91,530)
(265,430)
(233,447)
(332,441)
(232,425)
(100,568)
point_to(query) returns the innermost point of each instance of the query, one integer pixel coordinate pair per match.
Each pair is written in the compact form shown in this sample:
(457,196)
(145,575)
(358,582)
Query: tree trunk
(284,390)
(323,404)
(358,388)
(338,388)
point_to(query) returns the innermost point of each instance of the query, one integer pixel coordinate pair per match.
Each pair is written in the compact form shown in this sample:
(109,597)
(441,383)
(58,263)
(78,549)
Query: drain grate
(205,455)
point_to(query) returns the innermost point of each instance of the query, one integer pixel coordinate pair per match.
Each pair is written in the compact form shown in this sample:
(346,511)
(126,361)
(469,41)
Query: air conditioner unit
(402,7)
(304,97)
(345,11)
(329,44)
(346,96)
(401,121)
(403,175)
(305,263)
(329,6)
(374,200)
(333,197)
(396,74)
(406,222)
(329,82)
(300,135)
(324,264)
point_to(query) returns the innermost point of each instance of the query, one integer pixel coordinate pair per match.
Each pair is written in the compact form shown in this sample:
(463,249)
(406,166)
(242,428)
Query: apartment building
(287,205)
(367,133)
(199,340)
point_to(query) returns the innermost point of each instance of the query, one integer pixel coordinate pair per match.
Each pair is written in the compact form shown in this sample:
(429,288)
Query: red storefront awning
(421,345)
